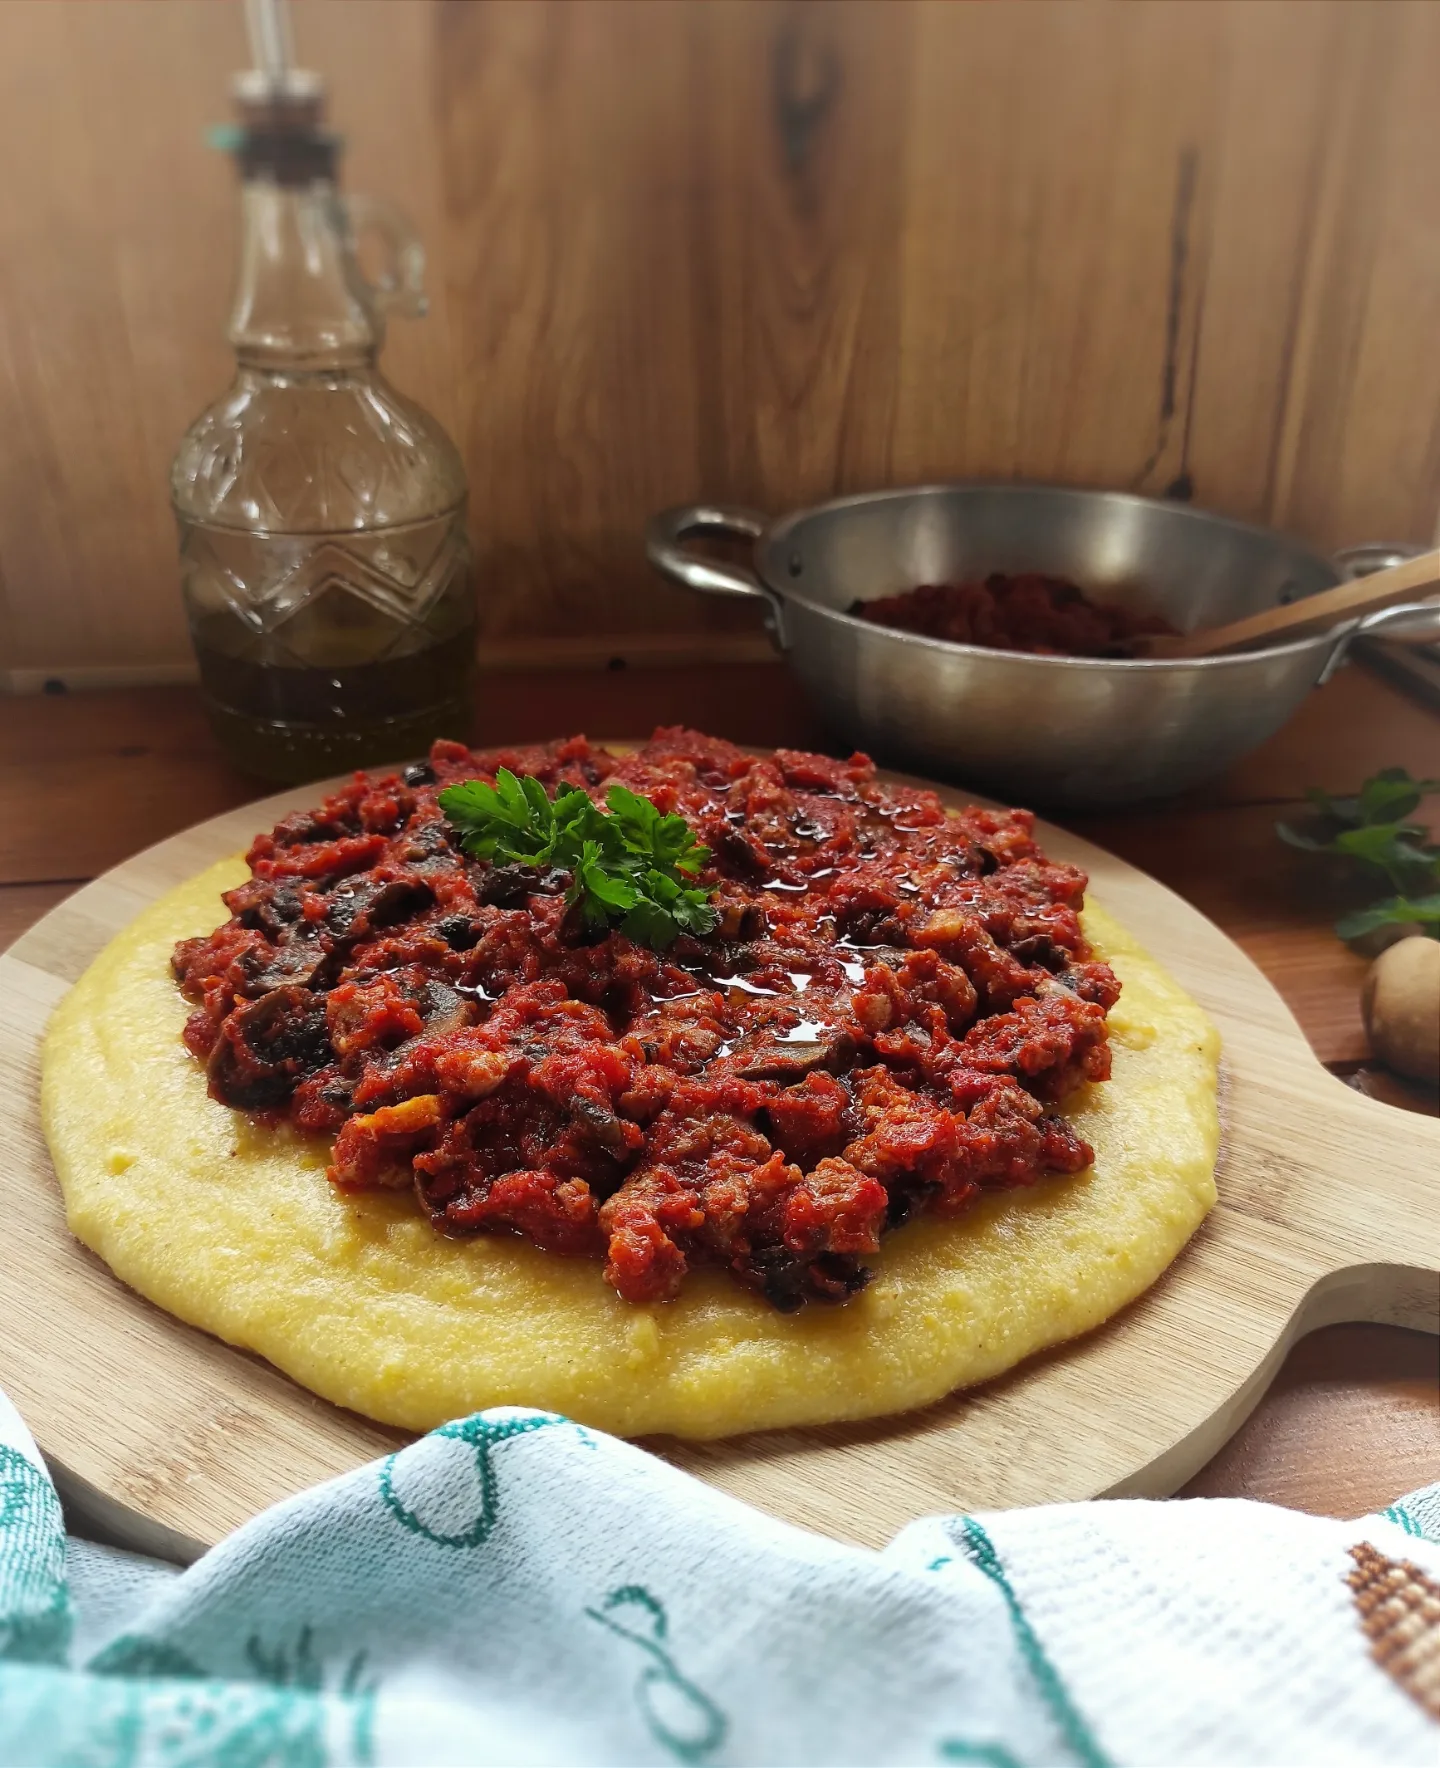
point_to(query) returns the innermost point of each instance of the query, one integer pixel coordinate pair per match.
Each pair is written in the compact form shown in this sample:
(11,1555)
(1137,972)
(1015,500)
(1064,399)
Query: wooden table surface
(1353,1420)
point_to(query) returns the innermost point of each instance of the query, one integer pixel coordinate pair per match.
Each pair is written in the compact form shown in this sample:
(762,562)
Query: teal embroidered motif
(297,1666)
(980,1551)
(34,1602)
(680,1717)
(482,1434)
(1418,1513)
(104,1722)
(262,1727)
(133,1654)
(301,1668)
(989,1755)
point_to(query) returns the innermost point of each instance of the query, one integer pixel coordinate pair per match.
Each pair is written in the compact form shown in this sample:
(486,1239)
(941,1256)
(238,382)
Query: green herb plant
(630,867)
(1375,829)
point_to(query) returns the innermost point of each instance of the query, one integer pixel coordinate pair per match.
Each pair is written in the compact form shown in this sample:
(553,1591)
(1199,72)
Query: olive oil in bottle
(325,565)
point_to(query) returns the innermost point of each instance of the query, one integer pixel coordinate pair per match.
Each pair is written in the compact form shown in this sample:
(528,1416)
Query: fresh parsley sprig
(1374,828)
(629,865)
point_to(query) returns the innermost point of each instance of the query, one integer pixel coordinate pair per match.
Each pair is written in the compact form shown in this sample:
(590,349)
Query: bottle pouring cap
(281,107)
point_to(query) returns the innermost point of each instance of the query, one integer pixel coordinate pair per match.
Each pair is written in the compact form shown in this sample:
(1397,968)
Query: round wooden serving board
(165,1438)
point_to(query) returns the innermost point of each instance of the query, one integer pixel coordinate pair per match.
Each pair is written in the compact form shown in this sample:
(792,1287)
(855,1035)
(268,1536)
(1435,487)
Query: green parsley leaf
(578,819)
(694,913)
(629,866)
(1421,911)
(1392,794)
(1295,837)
(635,816)
(649,924)
(1373,829)
(666,841)
(502,822)
(1388,796)
(614,891)
(1393,849)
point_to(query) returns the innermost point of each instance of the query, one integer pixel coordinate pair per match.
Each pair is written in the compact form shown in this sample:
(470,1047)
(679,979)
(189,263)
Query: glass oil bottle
(325,565)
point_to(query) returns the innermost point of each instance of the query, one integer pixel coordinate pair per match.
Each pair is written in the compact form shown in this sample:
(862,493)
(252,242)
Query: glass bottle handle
(400,286)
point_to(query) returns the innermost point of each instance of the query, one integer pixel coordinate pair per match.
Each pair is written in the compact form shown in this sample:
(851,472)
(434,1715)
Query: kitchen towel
(517,1589)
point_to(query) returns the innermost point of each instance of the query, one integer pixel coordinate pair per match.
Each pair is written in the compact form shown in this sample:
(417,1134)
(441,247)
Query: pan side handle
(665,547)
(1416,623)
(1410,623)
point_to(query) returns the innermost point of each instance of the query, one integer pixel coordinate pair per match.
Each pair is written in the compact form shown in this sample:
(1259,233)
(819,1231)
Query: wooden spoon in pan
(1414,580)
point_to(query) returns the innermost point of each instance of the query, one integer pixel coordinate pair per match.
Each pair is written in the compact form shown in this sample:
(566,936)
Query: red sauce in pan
(1043,615)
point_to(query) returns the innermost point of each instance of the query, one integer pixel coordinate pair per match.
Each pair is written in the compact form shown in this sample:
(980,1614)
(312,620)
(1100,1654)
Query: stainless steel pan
(1074,732)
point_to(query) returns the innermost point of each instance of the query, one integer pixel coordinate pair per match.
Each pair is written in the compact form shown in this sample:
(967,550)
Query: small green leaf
(515,806)
(541,810)
(613,889)
(667,841)
(1392,793)
(1374,842)
(696,913)
(469,805)
(685,854)
(1293,837)
(1422,911)
(636,816)
(649,924)
(1373,829)
(507,821)
(661,888)
(1385,797)
(626,865)
(1392,849)
(578,819)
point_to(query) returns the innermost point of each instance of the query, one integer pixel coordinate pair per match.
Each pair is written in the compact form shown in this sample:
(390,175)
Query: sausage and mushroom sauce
(1046,616)
(890,1006)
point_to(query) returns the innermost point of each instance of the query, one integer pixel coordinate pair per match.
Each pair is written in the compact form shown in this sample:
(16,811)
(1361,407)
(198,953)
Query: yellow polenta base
(236,1229)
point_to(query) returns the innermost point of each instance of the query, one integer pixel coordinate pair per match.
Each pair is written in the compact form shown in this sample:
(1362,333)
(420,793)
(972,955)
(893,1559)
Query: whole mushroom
(1400,1002)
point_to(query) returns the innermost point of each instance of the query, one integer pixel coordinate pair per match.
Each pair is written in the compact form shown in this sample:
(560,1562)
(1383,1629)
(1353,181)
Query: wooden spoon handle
(1413,579)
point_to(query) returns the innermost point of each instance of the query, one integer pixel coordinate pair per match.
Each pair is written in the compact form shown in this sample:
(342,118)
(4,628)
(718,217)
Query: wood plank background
(745,249)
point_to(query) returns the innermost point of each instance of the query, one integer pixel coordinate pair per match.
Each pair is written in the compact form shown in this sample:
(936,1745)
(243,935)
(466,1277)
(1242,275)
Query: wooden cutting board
(165,1439)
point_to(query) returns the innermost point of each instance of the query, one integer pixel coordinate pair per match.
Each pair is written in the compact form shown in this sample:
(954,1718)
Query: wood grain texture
(1375,1082)
(22,905)
(1350,729)
(116,256)
(1324,1216)
(1327,1393)
(749,250)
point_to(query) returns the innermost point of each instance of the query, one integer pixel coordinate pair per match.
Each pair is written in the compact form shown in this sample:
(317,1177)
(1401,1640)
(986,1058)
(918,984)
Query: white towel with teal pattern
(515,1589)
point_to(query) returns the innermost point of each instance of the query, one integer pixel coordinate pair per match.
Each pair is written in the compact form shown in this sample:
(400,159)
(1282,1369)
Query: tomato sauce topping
(891,1007)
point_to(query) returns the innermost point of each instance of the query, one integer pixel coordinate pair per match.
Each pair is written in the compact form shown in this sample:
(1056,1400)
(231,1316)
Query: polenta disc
(235,1229)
